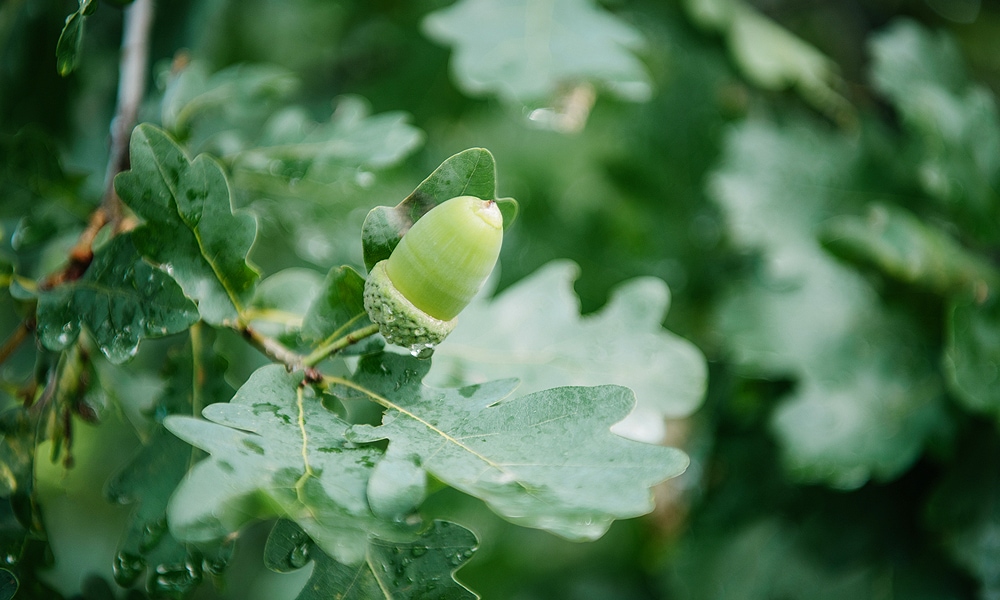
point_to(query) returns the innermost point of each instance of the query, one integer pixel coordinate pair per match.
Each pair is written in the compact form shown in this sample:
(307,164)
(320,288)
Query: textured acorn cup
(438,266)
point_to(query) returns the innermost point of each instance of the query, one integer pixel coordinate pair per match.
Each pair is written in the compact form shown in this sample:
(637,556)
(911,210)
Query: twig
(275,350)
(13,342)
(133,71)
(339,344)
(131,89)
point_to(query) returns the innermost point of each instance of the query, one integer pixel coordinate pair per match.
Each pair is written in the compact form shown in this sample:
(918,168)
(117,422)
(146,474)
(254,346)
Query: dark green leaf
(527,51)
(964,511)
(31,175)
(533,331)
(423,568)
(972,353)
(277,451)
(70,43)
(120,299)
(339,309)
(901,246)
(545,460)
(955,123)
(8,584)
(151,477)
(764,560)
(471,172)
(20,521)
(190,227)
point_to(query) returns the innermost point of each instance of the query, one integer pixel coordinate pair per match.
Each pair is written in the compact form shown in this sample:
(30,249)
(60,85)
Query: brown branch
(132,79)
(16,338)
(277,352)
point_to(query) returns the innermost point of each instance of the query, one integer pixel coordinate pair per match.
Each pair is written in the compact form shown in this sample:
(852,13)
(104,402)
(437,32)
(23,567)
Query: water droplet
(151,534)
(299,556)
(418,551)
(422,351)
(215,566)
(10,559)
(127,567)
(176,579)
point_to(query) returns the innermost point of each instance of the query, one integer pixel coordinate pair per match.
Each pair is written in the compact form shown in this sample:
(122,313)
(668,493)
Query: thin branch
(133,70)
(132,80)
(13,342)
(277,351)
(339,344)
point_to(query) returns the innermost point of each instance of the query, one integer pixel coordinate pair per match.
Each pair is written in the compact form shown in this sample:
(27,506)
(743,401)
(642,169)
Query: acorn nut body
(438,266)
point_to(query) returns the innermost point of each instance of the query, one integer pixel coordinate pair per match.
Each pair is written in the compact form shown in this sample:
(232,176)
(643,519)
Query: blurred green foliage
(818,184)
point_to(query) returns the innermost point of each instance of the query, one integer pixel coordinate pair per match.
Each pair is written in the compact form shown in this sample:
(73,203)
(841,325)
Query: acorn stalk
(439,265)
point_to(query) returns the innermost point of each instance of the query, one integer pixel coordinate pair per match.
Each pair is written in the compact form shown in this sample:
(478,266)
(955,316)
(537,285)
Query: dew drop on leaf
(127,567)
(299,556)
(152,534)
(422,351)
(176,579)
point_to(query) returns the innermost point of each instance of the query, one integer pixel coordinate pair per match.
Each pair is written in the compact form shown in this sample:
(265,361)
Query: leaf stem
(197,369)
(299,397)
(272,315)
(339,344)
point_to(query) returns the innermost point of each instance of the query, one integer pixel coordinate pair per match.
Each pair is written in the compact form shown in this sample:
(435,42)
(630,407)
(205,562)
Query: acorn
(439,265)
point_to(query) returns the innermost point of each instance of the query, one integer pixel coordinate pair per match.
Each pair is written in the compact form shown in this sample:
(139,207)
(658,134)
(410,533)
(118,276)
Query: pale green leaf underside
(545,460)
(120,299)
(526,51)
(421,569)
(955,123)
(274,453)
(296,146)
(900,245)
(771,57)
(229,95)
(806,315)
(534,331)
(189,225)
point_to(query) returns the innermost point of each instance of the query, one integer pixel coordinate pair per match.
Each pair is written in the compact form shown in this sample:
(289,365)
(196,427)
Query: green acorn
(438,266)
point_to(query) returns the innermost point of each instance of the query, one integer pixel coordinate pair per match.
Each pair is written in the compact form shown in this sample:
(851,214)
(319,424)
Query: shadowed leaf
(421,569)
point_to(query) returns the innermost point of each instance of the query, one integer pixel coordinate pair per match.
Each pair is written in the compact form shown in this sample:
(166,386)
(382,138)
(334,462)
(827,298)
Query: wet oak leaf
(274,453)
(547,460)
(423,568)
(189,224)
(120,299)
(534,331)
(867,400)
(296,148)
(149,479)
(527,51)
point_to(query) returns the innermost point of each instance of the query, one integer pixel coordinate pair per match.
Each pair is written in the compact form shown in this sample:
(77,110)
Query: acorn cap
(398,320)
(439,265)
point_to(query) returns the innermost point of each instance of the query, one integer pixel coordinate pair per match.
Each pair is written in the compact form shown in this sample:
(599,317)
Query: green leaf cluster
(743,340)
